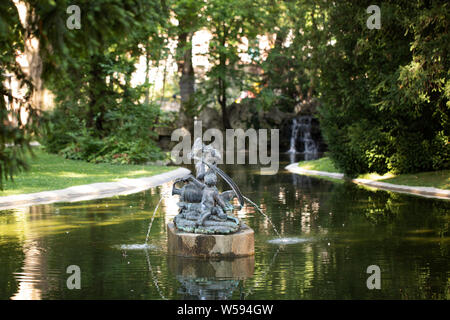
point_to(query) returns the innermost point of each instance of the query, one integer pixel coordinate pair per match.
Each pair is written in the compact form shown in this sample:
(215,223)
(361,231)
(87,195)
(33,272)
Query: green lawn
(322,164)
(437,179)
(51,172)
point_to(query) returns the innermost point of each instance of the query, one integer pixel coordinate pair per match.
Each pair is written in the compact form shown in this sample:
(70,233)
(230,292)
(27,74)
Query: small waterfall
(294,133)
(301,130)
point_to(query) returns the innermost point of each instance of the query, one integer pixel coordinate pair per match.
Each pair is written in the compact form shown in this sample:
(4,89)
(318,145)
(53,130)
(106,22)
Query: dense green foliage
(130,138)
(99,116)
(383,95)
(384,102)
(230,21)
(15,135)
(291,69)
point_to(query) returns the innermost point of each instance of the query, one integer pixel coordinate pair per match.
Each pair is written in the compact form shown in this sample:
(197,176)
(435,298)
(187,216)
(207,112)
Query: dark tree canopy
(383,94)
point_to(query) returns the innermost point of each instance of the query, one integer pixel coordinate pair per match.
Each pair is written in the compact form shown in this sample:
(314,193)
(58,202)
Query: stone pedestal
(239,244)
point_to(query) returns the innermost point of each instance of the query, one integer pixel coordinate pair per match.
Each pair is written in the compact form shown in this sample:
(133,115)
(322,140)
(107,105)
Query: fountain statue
(204,225)
(202,207)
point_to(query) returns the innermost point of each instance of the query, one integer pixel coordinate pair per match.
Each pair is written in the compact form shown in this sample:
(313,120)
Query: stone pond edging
(91,191)
(419,191)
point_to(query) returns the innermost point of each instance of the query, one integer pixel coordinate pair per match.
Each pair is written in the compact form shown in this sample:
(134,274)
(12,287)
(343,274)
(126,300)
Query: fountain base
(239,244)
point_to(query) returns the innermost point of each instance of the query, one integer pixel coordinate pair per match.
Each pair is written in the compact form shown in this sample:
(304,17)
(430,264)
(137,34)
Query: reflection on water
(139,246)
(347,227)
(285,241)
(202,279)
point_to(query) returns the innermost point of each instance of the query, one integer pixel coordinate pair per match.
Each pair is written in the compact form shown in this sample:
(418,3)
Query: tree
(15,131)
(231,22)
(384,102)
(188,15)
(383,94)
(99,116)
(291,70)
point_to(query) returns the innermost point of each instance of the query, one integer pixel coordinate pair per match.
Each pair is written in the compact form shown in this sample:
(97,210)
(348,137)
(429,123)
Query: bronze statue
(202,207)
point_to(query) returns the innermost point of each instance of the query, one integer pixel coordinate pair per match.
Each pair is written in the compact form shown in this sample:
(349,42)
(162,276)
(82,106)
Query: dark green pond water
(343,228)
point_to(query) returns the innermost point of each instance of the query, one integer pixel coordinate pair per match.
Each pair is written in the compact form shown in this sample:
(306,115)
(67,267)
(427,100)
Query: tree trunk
(147,74)
(222,98)
(31,51)
(97,85)
(187,78)
(164,83)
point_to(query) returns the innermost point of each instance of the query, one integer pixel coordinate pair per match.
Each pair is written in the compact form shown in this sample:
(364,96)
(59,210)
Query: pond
(342,229)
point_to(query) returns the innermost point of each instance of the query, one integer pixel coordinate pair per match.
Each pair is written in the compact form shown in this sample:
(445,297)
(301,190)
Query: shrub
(130,142)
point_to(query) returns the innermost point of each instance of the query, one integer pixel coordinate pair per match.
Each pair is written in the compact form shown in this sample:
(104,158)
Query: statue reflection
(202,279)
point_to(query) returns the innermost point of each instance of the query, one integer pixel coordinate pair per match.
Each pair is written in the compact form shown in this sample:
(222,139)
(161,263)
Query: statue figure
(212,203)
(202,207)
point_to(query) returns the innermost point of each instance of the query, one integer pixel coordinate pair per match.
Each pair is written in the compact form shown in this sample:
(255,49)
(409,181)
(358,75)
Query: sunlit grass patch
(52,172)
(437,179)
(376,176)
(322,164)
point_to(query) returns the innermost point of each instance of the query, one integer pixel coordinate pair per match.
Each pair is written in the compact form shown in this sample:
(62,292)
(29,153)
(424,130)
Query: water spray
(151,221)
(265,215)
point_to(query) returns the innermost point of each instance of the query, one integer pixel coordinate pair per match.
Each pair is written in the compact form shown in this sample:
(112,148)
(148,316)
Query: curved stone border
(91,191)
(428,192)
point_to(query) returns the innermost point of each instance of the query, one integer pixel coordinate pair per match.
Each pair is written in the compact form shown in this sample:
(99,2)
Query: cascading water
(294,134)
(301,130)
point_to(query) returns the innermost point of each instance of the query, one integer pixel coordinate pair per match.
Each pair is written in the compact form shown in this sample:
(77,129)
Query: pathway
(91,191)
(420,191)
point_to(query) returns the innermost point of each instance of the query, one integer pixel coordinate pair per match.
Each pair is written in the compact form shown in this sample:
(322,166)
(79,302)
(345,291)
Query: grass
(436,179)
(52,172)
(322,164)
